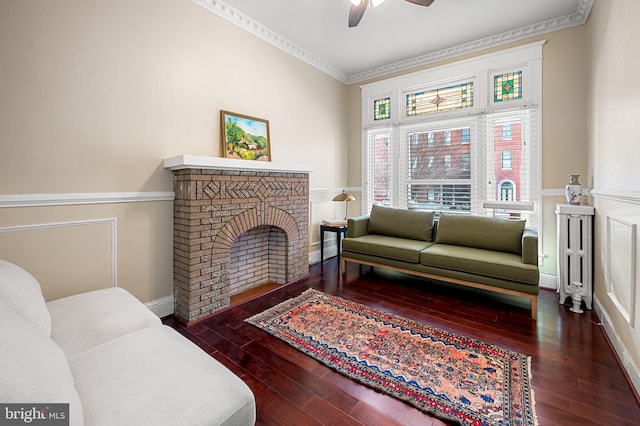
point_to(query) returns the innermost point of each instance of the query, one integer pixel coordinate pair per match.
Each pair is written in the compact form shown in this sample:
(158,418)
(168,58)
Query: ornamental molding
(254,27)
(579,17)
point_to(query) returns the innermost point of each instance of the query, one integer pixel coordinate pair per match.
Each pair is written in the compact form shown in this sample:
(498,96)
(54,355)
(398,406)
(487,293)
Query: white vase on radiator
(573,191)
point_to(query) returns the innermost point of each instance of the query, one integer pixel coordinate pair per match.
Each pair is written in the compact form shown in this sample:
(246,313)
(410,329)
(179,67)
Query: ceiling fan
(359,6)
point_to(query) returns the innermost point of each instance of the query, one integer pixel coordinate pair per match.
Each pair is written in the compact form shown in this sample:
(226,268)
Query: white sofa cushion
(20,290)
(85,320)
(151,377)
(33,369)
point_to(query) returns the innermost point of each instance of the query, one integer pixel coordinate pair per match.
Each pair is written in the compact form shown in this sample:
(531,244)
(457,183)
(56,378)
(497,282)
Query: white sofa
(111,359)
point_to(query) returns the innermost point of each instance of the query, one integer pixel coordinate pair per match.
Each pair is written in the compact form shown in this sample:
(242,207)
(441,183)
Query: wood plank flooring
(576,377)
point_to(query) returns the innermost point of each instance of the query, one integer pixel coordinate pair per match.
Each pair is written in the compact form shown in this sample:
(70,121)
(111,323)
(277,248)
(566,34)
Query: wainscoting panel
(620,272)
(65,257)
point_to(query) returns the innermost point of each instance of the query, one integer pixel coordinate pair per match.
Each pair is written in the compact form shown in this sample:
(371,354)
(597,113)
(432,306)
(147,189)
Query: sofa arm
(530,246)
(357,226)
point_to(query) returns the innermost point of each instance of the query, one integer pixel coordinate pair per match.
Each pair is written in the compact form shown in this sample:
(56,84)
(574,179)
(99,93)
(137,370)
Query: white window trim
(481,70)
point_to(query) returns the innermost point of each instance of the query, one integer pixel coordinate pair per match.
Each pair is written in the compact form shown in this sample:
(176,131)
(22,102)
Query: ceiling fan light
(355,2)
(376,2)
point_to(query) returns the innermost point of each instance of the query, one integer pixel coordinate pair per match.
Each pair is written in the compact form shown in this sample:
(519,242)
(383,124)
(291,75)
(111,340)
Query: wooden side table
(341,231)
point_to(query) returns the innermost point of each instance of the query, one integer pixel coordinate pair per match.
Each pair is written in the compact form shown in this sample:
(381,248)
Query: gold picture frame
(244,137)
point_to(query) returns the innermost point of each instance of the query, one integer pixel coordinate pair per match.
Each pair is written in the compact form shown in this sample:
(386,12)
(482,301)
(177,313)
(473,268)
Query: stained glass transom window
(442,99)
(381,108)
(507,87)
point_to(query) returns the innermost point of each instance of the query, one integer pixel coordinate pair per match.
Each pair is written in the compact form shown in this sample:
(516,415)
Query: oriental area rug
(441,373)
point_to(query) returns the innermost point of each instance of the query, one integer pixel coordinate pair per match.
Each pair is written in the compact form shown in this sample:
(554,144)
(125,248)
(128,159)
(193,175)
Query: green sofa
(483,252)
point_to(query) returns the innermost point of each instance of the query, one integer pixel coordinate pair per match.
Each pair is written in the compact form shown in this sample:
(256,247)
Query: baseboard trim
(162,307)
(624,357)
(548,281)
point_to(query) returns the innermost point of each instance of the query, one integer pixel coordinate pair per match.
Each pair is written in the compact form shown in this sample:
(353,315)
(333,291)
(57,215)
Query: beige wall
(95,94)
(564,135)
(614,150)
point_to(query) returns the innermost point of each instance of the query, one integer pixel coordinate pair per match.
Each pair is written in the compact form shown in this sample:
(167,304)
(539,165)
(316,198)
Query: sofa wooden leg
(343,266)
(534,307)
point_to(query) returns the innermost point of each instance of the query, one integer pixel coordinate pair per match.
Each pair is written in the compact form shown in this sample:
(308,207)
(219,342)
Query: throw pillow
(411,224)
(481,232)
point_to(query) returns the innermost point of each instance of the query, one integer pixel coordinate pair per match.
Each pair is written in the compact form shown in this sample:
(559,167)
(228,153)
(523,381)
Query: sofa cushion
(20,290)
(401,223)
(85,320)
(390,247)
(495,264)
(481,232)
(34,369)
(150,376)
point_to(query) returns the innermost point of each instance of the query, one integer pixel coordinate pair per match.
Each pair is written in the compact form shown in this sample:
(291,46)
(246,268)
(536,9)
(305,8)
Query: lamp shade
(344,196)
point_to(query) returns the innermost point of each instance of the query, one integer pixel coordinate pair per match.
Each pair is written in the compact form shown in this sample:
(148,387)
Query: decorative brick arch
(250,219)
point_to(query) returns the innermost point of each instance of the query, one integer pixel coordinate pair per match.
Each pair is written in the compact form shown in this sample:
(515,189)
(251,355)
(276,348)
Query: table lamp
(345,197)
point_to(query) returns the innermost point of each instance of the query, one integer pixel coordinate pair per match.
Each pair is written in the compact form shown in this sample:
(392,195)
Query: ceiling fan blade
(421,2)
(356,12)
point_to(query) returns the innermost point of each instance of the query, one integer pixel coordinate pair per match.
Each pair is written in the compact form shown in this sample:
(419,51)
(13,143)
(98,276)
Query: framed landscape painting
(245,137)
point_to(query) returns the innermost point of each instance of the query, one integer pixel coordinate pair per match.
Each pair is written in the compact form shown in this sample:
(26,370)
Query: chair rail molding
(71,199)
(616,195)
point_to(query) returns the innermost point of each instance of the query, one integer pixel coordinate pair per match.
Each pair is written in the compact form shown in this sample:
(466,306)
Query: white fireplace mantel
(181,162)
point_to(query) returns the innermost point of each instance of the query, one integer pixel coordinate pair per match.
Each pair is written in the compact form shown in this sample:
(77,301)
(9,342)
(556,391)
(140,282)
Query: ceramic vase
(573,191)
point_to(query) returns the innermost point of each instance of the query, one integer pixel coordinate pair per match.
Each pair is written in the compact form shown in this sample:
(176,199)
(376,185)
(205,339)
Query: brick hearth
(220,210)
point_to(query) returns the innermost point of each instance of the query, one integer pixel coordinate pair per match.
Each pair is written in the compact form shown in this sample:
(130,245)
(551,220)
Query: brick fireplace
(237,224)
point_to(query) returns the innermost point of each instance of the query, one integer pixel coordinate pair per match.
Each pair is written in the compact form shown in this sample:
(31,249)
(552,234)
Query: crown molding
(256,28)
(243,21)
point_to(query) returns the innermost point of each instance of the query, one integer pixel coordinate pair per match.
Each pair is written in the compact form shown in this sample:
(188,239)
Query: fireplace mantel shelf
(216,163)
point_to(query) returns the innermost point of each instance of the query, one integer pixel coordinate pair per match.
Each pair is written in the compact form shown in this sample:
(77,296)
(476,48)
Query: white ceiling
(397,34)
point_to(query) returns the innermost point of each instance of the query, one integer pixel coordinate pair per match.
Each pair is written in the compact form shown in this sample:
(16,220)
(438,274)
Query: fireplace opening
(257,262)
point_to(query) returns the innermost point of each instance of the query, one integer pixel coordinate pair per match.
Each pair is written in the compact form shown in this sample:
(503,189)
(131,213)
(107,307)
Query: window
(465,162)
(382,109)
(506,191)
(465,135)
(380,172)
(506,132)
(440,99)
(506,160)
(447,137)
(468,132)
(413,139)
(507,87)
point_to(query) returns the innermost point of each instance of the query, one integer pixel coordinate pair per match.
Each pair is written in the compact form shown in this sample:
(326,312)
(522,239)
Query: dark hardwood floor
(576,378)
